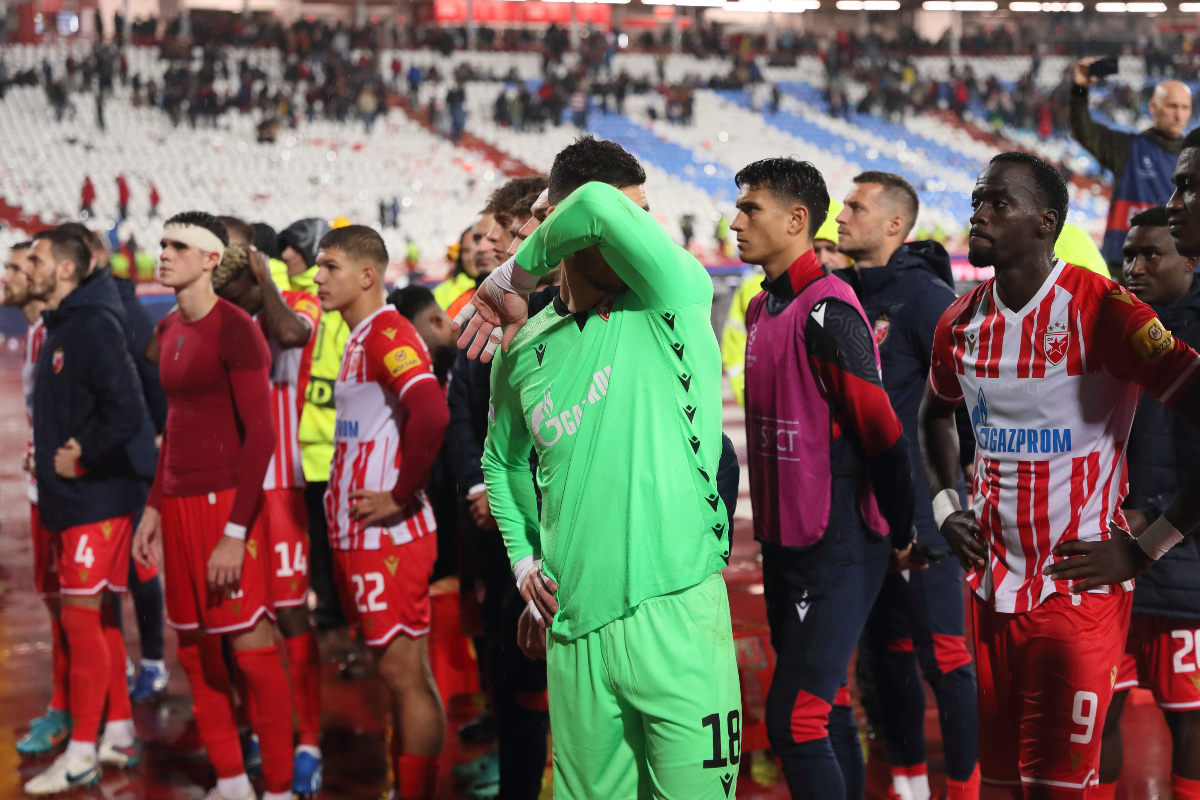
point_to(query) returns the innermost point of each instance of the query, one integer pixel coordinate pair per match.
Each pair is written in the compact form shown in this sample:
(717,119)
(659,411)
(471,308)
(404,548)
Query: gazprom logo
(1015,440)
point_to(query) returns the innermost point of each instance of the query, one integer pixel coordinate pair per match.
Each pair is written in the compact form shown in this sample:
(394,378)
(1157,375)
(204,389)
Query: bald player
(1141,163)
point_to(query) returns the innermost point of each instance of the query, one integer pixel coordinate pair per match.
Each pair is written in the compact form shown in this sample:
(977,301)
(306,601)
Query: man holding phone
(1141,163)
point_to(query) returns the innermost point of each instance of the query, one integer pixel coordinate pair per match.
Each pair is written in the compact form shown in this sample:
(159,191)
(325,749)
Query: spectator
(87,197)
(1135,187)
(455,99)
(122,196)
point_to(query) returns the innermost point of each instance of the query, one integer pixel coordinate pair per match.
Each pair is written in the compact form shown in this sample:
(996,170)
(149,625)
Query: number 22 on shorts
(373,603)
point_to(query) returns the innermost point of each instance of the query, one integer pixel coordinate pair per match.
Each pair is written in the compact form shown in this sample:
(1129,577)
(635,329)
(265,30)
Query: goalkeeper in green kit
(616,387)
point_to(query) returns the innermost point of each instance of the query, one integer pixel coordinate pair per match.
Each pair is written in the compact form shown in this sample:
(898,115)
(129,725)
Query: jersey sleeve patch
(307,306)
(1153,341)
(401,360)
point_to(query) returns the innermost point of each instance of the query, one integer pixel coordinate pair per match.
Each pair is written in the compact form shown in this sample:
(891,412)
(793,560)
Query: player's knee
(404,666)
(804,719)
(1185,728)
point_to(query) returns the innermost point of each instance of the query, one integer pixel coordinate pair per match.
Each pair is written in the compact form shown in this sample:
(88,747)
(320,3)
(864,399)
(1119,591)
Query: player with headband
(214,364)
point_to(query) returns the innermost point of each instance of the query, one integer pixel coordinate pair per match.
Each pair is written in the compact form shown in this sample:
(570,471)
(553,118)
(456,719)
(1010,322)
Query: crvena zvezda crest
(1057,339)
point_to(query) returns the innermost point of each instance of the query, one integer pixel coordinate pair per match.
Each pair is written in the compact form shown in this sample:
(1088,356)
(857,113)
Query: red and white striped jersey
(290,369)
(33,348)
(384,358)
(1052,390)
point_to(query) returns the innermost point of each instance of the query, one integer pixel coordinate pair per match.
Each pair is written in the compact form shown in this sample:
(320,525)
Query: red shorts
(387,590)
(45,556)
(1045,680)
(191,528)
(1161,655)
(284,523)
(95,556)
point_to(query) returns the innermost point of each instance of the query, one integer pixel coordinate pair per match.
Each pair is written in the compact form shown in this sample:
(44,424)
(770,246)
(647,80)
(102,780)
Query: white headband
(196,236)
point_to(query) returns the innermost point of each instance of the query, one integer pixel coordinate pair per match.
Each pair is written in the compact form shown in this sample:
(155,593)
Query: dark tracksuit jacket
(1162,448)
(87,387)
(903,301)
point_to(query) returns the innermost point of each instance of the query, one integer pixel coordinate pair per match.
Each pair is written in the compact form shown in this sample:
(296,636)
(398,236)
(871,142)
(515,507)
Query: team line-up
(1035,435)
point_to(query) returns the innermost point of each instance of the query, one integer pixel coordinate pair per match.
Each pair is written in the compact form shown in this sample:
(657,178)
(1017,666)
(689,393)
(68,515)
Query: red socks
(89,674)
(1102,791)
(212,703)
(119,707)
(416,776)
(304,670)
(964,790)
(270,713)
(1184,788)
(62,665)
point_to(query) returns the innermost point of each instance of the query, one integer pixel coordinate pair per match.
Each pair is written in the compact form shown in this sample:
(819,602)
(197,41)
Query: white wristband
(512,278)
(234,531)
(520,570)
(1160,537)
(945,503)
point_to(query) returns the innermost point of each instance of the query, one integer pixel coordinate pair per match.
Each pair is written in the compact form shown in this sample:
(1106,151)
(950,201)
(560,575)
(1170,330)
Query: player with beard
(1166,601)
(289,321)
(1050,359)
(91,422)
(51,729)
(916,628)
(219,440)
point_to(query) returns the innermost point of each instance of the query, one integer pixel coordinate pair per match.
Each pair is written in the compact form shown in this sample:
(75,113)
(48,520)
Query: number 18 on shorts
(649,704)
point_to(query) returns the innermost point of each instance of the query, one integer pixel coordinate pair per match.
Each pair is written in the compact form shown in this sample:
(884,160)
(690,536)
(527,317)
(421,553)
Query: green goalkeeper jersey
(623,406)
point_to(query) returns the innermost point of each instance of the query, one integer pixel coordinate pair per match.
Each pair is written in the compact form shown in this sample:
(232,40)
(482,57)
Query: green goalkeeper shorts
(649,706)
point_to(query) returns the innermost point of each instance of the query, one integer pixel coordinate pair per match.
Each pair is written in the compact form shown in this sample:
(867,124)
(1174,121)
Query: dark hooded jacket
(903,301)
(304,235)
(1162,447)
(86,387)
(138,330)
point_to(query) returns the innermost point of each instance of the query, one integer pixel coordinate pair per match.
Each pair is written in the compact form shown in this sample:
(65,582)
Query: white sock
(149,662)
(120,733)
(235,788)
(312,750)
(81,752)
(920,786)
(277,795)
(902,787)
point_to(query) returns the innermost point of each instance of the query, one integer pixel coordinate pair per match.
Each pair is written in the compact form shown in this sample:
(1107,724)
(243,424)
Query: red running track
(354,730)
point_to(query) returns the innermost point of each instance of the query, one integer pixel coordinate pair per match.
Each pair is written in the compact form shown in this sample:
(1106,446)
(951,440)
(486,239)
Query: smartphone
(1105,66)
